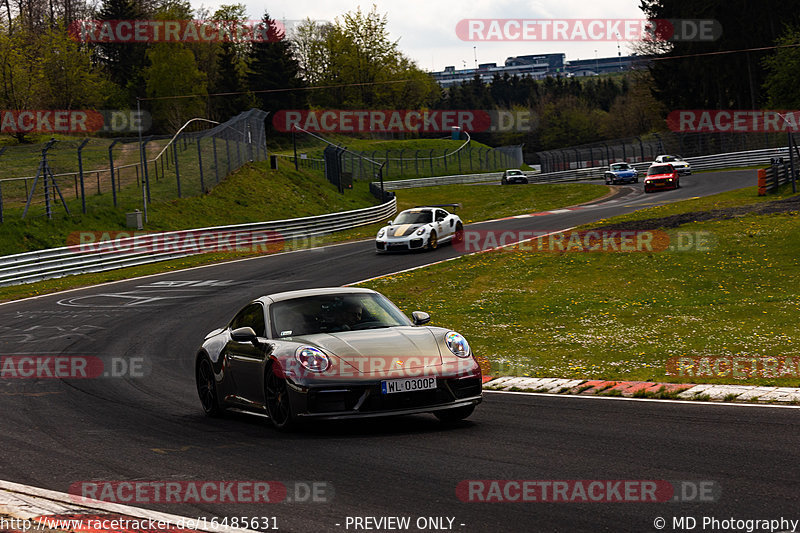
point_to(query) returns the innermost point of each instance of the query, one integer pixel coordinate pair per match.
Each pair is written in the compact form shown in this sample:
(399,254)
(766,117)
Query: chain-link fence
(647,147)
(423,157)
(97,173)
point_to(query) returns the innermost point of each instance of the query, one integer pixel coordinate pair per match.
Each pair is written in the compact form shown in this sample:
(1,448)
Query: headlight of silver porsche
(421,231)
(312,359)
(457,344)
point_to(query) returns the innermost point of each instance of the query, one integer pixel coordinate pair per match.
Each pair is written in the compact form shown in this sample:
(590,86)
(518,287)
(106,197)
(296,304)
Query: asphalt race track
(59,432)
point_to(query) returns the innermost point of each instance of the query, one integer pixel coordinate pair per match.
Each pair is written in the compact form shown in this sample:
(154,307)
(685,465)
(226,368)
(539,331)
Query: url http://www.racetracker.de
(118,523)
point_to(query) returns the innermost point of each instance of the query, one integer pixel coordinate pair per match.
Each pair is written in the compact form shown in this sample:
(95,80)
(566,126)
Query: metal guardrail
(441,180)
(777,174)
(148,248)
(706,162)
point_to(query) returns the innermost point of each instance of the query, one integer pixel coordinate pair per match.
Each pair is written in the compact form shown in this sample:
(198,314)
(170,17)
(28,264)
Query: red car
(661,177)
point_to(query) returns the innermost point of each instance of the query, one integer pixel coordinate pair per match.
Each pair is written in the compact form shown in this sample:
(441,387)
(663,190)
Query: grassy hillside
(254,193)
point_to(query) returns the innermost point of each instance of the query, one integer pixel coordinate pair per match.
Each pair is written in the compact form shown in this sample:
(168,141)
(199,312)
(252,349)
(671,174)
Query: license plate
(390,386)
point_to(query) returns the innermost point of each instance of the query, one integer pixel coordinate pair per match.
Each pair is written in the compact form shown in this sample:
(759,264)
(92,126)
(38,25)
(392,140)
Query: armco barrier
(58,262)
(706,162)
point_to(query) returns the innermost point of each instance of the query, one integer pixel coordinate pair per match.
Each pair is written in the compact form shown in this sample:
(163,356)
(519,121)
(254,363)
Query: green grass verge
(623,316)
(255,193)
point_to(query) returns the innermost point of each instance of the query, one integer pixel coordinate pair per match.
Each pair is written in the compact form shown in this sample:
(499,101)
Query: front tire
(456,414)
(206,388)
(458,236)
(276,392)
(433,241)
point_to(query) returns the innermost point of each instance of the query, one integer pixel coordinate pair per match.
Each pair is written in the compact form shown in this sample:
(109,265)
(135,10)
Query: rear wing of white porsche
(454,206)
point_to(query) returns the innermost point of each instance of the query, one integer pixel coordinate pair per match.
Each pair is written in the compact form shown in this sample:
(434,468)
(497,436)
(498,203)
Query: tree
(274,68)
(230,76)
(686,80)
(356,55)
(782,68)
(124,61)
(173,72)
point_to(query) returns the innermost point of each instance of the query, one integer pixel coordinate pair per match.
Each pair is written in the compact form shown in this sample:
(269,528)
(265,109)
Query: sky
(426,29)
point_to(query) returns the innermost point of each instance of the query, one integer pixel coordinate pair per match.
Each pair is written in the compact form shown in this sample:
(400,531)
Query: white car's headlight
(421,230)
(382,232)
(312,359)
(457,344)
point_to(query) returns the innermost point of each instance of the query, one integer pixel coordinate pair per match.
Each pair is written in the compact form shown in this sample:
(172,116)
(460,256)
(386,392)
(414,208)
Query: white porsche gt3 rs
(420,228)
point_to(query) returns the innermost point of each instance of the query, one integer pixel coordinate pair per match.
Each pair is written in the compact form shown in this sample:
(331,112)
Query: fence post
(401,160)
(216,163)
(80,173)
(387,163)
(111,168)
(200,163)
(445,159)
(145,172)
(430,159)
(177,172)
(249,145)
(459,161)
(238,154)
(3,149)
(228,155)
(791,162)
(469,152)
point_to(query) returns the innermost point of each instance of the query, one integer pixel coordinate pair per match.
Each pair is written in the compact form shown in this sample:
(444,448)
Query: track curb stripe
(36,504)
(645,389)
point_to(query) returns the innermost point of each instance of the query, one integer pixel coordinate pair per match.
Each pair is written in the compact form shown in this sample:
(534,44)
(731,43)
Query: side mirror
(245,334)
(391,222)
(420,318)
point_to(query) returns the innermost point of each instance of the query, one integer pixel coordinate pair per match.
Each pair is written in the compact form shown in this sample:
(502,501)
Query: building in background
(539,67)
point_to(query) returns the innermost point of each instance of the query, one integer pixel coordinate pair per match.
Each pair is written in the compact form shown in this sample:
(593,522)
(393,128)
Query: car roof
(291,295)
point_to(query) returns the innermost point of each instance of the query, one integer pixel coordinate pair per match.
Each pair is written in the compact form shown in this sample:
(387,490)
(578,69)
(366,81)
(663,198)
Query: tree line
(352,63)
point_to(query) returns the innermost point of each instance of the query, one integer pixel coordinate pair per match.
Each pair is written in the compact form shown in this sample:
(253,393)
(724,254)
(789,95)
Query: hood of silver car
(381,349)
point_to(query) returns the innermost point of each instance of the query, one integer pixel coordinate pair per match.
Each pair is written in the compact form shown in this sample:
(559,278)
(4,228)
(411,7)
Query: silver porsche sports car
(420,228)
(335,353)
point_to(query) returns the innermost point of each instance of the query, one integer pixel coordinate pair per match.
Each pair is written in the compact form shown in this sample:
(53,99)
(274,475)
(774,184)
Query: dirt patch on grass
(784,205)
